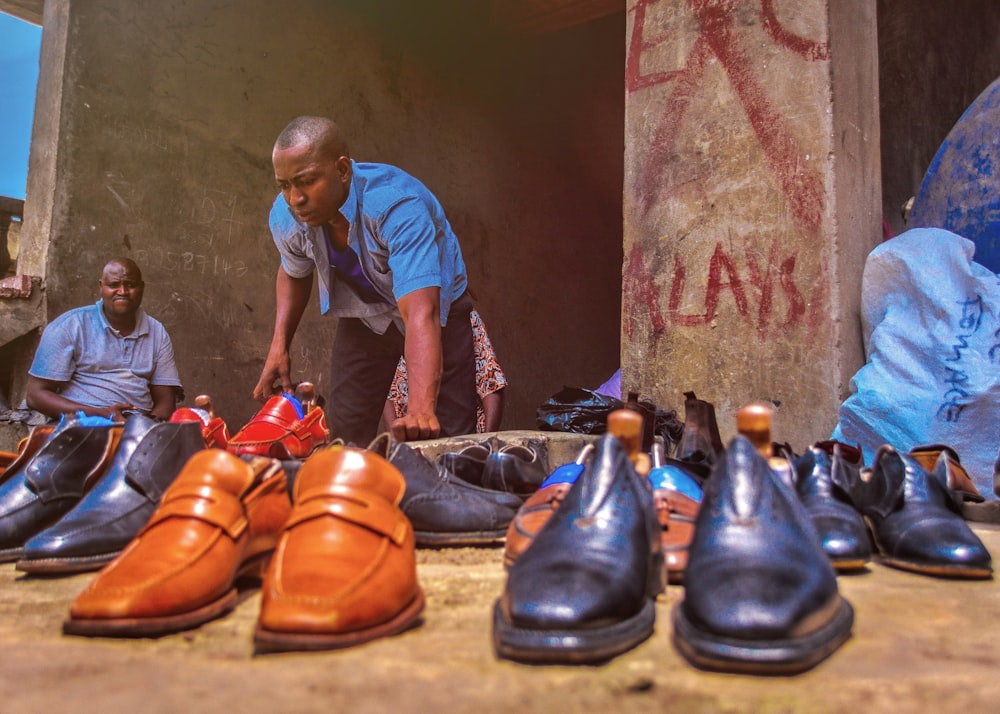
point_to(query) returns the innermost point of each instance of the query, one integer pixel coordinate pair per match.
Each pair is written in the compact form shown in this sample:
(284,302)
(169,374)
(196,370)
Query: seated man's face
(121,290)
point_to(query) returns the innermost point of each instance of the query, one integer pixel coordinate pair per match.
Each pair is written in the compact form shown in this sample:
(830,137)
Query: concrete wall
(154,142)
(751,199)
(934,59)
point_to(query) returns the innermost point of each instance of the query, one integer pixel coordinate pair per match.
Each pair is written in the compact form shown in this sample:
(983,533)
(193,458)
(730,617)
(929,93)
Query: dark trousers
(364,364)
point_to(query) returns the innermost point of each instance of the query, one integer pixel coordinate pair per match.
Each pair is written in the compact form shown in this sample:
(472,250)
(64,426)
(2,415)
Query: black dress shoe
(585,589)
(842,532)
(516,468)
(149,457)
(49,484)
(445,510)
(760,594)
(700,446)
(468,462)
(916,519)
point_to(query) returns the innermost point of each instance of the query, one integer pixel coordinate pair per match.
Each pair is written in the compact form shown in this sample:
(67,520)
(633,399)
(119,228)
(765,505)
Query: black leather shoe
(468,462)
(148,459)
(760,594)
(820,481)
(49,484)
(585,589)
(916,519)
(445,510)
(700,446)
(516,468)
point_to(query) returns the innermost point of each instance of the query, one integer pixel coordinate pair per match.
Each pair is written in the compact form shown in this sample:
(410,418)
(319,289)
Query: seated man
(107,358)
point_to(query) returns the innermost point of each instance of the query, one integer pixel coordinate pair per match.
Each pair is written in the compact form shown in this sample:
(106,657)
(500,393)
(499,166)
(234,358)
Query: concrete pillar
(752,196)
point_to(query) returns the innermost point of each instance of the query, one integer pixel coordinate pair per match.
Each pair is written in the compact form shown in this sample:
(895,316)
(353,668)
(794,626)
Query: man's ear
(344,168)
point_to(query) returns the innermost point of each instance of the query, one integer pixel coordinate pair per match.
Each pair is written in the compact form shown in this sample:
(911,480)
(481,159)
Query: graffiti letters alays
(802,188)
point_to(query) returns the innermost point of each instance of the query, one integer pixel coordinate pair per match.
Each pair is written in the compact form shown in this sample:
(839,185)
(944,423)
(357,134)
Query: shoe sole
(583,646)
(169,624)
(436,539)
(940,570)
(151,626)
(768,657)
(65,566)
(274,641)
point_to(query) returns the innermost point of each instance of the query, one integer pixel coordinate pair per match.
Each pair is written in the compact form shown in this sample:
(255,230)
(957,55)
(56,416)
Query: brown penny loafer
(344,571)
(219,520)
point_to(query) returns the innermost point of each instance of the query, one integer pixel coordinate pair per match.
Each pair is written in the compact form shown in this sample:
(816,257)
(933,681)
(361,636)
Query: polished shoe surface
(344,571)
(916,520)
(760,595)
(218,521)
(516,468)
(541,506)
(284,428)
(149,457)
(46,486)
(445,510)
(820,482)
(584,591)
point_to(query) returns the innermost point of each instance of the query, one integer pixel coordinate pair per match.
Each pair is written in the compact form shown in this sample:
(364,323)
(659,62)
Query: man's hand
(278,366)
(412,427)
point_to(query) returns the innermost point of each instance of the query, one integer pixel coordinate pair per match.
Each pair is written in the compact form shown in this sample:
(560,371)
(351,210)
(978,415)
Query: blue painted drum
(961,189)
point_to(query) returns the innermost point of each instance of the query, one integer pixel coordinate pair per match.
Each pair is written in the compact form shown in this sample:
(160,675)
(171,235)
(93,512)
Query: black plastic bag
(582,411)
(576,410)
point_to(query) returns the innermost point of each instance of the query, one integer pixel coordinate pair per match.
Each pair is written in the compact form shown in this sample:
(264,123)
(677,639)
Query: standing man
(107,358)
(390,268)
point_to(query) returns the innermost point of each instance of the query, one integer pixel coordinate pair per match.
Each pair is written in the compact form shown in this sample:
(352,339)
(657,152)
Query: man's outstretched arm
(292,296)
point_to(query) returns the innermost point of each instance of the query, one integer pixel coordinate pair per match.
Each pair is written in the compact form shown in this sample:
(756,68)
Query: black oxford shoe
(760,594)
(584,591)
(916,521)
(148,459)
(842,531)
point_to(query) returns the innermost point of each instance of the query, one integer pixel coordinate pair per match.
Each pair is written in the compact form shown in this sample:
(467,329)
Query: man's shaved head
(125,266)
(319,132)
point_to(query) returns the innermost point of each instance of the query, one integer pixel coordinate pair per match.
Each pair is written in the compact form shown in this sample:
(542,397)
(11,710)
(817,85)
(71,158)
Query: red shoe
(287,427)
(213,428)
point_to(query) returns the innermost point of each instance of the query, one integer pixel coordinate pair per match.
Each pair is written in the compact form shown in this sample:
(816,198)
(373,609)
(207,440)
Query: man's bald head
(123,267)
(322,134)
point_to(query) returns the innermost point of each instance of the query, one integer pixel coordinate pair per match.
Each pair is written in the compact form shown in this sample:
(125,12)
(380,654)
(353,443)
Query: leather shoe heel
(219,520)
(345,568)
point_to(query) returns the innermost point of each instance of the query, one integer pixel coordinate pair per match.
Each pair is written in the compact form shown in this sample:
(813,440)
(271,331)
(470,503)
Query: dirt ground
(919,644)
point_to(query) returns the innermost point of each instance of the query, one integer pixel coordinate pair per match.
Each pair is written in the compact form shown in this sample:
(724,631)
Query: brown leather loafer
(219,520)
(345,569)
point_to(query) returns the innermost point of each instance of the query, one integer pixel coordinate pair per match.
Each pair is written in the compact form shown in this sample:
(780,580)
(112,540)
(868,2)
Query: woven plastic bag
(932,338)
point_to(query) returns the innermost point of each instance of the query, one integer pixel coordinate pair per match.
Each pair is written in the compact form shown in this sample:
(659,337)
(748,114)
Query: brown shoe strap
(354,505)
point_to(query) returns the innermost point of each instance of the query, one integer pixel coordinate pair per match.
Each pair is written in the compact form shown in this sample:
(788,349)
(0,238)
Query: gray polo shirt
(99,366)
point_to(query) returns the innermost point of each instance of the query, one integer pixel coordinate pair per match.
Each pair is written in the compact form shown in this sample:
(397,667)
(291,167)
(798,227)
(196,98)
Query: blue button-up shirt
(401,235)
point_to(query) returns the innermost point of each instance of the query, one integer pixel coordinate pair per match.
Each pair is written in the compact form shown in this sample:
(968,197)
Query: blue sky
(19,45)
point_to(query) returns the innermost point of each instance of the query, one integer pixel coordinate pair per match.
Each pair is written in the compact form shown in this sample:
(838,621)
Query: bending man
(390,268)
